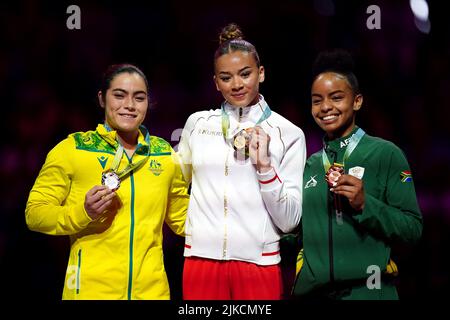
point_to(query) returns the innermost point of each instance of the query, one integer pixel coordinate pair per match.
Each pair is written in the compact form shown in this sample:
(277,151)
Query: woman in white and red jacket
(245,163)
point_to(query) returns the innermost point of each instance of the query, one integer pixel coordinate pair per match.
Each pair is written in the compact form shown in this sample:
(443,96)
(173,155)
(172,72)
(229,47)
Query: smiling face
(334,104)
(237,77)
(125,102)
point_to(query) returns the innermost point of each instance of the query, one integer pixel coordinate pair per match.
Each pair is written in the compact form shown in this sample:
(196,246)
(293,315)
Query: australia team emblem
(155,167)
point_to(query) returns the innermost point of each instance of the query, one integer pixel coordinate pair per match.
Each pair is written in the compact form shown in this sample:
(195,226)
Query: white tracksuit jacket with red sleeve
(236,213)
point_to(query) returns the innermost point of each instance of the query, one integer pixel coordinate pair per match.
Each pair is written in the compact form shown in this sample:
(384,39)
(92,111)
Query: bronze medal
(333,174)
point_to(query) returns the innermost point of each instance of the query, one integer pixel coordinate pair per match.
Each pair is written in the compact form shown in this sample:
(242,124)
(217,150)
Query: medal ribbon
(354,140)
(226,119)
(130,167)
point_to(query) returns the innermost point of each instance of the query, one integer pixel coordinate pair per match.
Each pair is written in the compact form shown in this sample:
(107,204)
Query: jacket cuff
(371,206)
(268,180)
(80,216)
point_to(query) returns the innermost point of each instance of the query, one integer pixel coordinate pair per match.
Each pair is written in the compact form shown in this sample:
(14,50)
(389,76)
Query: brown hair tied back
(231,39)
(230,32)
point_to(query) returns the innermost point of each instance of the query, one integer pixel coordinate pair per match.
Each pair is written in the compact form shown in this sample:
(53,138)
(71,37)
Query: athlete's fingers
(95,189)
(100,194)
(347,179)
(344,188)
(102,200)
(104,207)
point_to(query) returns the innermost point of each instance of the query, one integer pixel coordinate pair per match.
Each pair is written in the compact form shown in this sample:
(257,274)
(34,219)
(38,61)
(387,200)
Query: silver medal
(111,180)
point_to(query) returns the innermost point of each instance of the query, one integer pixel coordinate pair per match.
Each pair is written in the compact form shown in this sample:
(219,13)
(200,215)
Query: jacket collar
(250,113)
(110,135)
(339,144)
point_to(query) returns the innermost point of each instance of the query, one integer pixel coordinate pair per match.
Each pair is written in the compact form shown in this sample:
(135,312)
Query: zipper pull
(240,114)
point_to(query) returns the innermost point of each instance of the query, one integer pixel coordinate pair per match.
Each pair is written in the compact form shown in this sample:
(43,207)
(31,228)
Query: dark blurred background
(49,77)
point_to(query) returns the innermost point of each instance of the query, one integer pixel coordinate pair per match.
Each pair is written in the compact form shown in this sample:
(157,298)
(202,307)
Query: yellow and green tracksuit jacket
(120,255)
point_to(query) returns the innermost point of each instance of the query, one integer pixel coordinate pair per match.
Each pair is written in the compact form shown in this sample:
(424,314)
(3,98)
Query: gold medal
(241,142)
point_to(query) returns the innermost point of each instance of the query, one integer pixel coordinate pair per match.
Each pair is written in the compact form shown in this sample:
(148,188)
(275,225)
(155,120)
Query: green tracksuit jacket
(336,256)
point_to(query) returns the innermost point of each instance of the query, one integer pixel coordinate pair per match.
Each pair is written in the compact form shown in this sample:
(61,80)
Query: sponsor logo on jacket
(208,132)
(102,160)
(311,182)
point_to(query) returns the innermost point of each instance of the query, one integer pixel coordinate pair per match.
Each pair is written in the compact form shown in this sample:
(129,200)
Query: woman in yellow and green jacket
(115,231)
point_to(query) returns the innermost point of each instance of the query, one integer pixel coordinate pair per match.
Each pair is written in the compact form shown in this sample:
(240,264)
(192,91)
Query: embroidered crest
(155,167)
(357,172)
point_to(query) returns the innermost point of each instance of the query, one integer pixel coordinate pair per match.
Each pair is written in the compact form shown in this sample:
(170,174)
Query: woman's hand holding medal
(98,200)
(259,149)
(352,188)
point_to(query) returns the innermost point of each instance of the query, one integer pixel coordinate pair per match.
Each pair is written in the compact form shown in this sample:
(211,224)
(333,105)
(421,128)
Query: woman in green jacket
(358,198)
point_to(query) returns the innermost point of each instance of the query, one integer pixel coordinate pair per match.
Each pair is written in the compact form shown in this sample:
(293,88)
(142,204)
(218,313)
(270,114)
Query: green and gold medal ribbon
(130,167)
(354,140)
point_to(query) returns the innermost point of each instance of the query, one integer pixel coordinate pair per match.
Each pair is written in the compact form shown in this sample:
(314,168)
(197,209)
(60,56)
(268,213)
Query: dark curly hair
(338,61)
